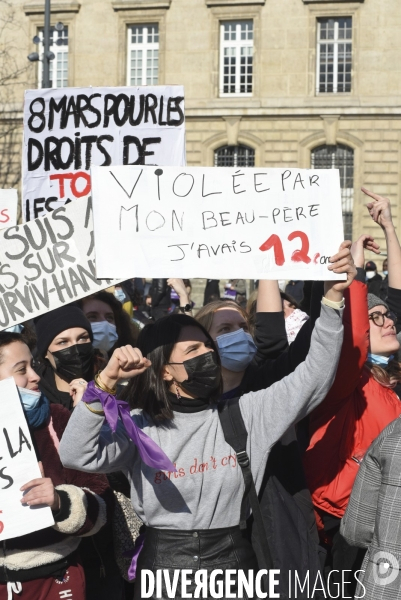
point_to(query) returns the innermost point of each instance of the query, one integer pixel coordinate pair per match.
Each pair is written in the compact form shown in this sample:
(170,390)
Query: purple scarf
(151,454)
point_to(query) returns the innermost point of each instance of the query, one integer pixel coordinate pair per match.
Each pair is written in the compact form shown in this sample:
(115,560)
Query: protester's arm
(270,335)
(380,211)
(179,286)
(358,523)
(269,413)
(355,347)
(158,291)
(88,444)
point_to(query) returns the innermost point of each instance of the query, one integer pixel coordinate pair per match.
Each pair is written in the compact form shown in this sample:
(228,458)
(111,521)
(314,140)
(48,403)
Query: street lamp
(47,54)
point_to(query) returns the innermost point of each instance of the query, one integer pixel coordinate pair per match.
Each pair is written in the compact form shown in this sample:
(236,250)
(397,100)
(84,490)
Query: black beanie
(54,322)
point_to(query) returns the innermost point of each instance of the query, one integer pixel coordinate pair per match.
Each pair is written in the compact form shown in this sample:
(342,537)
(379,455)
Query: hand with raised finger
(126,362)
(364,242)
(41,491)
(340,263)
(379,209)
(77,390)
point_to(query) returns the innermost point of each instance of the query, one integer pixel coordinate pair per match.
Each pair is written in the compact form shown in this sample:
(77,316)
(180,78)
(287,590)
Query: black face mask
(204,375)
(75,362)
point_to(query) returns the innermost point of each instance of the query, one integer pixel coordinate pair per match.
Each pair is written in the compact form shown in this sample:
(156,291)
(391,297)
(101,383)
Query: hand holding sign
(342,262)
(41,491)
(18,464)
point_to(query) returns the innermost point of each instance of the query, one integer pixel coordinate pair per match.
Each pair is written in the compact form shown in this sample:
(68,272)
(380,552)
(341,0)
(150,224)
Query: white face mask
(370,274)
(29,398)
(104,335)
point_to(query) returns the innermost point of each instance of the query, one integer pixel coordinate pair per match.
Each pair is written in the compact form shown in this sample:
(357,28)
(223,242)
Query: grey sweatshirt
(207,489)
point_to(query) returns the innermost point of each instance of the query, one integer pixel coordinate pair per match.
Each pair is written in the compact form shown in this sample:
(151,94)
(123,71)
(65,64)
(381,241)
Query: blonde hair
(206,314)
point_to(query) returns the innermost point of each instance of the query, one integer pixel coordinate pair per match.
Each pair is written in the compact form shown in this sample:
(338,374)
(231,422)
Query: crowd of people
(127,392)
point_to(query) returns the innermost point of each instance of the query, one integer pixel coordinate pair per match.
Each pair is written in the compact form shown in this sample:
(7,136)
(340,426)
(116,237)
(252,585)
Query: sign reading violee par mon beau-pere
(18,465)
(68,130)
(216,222)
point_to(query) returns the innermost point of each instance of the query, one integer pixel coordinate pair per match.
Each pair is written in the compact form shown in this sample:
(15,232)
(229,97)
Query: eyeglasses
(378,317)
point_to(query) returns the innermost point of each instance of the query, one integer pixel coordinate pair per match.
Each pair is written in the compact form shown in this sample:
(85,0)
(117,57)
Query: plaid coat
(373,517)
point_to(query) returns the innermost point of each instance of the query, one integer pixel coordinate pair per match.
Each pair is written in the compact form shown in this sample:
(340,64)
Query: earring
(177,391)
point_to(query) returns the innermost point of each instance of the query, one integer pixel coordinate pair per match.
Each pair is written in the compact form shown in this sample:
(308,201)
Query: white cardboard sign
(18,465)
(67,130)
(8,208)
(216,222)
(47,262)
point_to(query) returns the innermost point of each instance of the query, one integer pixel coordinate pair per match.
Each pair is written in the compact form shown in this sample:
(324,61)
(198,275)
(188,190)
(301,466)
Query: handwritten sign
(8,208)
(67,130)
(18,465)
(216,222)
(47,262)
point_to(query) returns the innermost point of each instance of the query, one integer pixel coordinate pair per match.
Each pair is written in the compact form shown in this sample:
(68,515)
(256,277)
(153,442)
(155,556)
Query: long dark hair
(156,341)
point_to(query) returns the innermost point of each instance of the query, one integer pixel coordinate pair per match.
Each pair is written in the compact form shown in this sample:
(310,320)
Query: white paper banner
(8,208)
(67,130)
(18,465)
(216,222)
(47,262)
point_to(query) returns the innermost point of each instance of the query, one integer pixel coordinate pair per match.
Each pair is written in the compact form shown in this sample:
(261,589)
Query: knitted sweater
(83,501)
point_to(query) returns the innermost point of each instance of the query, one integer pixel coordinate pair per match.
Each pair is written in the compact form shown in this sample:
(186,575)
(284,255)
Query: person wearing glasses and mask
(365,396)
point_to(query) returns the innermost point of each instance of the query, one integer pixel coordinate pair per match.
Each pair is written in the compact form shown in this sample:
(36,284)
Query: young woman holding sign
(45,564)
(192,508)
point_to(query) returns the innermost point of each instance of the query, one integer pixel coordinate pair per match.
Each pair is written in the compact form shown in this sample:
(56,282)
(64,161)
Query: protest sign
(216,222)
(67,130)
(47,262)
(18,465)
(8,208)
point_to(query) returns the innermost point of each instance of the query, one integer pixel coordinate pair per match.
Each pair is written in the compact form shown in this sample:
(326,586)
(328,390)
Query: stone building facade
(269,83)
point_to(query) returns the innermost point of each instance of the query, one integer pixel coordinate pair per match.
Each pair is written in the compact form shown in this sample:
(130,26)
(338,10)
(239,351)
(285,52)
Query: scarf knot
(151,454)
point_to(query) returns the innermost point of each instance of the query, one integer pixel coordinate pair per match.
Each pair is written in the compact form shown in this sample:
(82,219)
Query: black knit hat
(54,322)
(370,266)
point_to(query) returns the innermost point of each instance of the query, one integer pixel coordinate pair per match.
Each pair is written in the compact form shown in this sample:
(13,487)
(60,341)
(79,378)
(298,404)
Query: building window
(236,57)
(143,55)
(342,158)
(334,55)
(234,156)
(59,65)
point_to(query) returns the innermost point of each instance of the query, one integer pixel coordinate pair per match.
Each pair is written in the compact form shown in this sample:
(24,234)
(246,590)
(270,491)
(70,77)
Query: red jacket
(353,414)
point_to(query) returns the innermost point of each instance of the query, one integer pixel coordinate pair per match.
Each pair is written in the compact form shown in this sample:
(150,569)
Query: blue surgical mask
(104,335)
(29,398)
(376,359)
(119,294)
(15,329)
(236,350)
(385,273)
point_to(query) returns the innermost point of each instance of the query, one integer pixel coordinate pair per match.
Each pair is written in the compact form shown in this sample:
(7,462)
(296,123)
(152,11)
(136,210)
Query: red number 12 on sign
(297,256)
